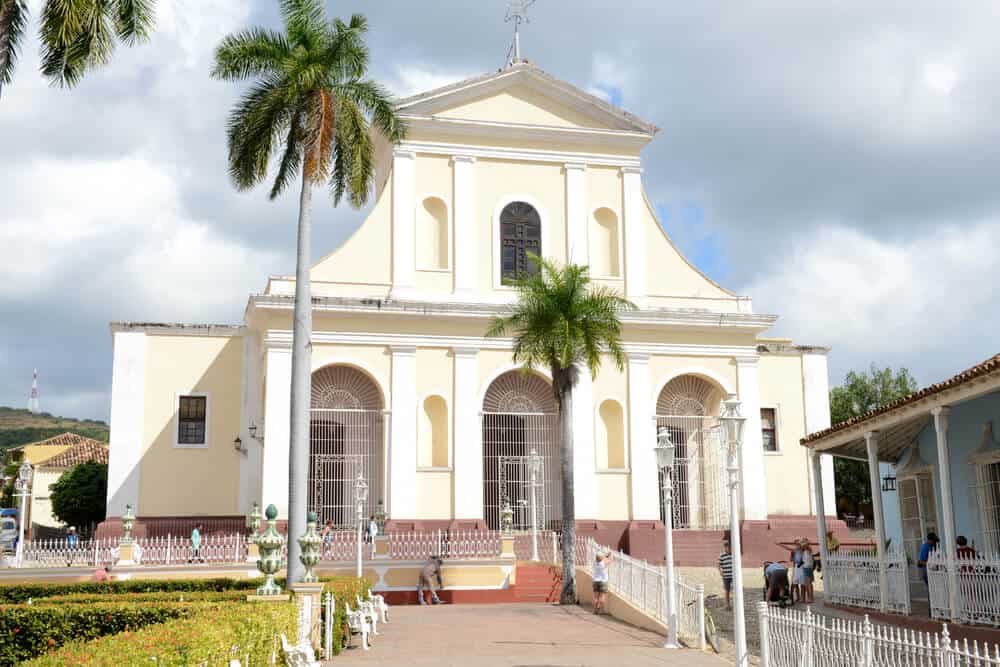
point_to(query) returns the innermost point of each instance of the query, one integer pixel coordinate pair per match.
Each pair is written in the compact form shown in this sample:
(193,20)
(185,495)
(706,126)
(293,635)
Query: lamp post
(732,431)
(22,485)
(665,461)
(534,469)
(360,498)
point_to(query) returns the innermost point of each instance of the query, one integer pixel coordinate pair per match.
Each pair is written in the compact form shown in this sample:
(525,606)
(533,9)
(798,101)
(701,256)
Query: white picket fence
(340,545)
(977,585)
(60,553)
(852,579)
(447,544)
(644,586)
(791,638)
(170,549)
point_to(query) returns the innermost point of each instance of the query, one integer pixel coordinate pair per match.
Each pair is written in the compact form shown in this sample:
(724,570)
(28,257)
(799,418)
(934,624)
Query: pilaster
(576,216)
(642,438)
(128,398)
(468,448)
(752,454)
(403,184)
(277,415)
(635,234)
(816,398)
(250,458)
(584,457)
(403,443)
(463,220)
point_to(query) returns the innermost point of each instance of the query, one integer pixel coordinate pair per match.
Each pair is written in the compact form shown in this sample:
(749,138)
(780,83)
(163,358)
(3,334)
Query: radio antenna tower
(33,400)
(517,13)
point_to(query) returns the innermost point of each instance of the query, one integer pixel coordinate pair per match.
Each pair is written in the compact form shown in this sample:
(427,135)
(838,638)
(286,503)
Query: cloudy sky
(837,163)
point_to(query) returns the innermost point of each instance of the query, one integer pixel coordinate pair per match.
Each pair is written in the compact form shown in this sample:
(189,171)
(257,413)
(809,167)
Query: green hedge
(212,635)
(136,598)
(28,631)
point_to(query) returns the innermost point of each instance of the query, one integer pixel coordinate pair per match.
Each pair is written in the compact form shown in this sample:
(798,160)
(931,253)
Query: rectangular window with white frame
(769,429)
(988,483)
(192,420)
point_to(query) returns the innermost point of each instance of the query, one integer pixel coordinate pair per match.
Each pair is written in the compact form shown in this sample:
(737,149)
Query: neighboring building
(409,393)
(50,459)
(937,463)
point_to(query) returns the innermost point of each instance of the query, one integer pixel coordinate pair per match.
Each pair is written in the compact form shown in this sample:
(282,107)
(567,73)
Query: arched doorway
(687,407)
(520,414)
(345,439)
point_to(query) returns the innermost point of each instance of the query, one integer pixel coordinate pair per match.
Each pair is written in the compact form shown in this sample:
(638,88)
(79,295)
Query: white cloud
(903,302)
(412,79)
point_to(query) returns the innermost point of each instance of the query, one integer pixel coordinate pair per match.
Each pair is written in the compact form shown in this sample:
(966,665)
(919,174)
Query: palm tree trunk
(298,445)
(568,595)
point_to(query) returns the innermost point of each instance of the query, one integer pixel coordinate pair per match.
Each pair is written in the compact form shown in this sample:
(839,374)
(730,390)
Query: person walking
(72,542)
(926,548)
(726,571)
(430,572)
(601,582)
(196,545)
(371,532)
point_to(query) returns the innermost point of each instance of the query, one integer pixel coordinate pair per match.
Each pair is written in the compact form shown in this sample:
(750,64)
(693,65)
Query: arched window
(520,234)
(611,435)
(604,244)
(432,441)
(432,234)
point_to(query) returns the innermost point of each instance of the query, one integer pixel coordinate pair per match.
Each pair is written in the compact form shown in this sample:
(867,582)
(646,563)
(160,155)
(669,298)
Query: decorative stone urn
(128,522)
(253,522)
(310,545)
(270,543)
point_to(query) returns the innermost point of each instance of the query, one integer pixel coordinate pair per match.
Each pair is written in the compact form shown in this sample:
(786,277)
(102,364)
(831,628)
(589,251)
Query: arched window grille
(520,234)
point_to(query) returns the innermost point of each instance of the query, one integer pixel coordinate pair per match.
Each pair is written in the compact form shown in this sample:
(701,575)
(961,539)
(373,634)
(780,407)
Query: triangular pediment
(522,94)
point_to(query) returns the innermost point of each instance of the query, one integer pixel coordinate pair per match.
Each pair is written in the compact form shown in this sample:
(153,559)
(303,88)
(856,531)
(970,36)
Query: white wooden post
(869,646)
(947,504)
(328,628)
(555,547)
(765,640)
(871,443)
(701,620)
(807,655)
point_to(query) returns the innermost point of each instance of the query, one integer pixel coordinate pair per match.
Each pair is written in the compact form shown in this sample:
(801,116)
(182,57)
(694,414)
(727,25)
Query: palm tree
(561,322)
(75,36)
(311,103)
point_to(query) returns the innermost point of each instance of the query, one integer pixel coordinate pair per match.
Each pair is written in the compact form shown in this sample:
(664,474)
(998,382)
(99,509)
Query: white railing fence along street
(171,550)
(60,553)
(339,545)
(978,586)
(642,585)
(852,578)
(790,638)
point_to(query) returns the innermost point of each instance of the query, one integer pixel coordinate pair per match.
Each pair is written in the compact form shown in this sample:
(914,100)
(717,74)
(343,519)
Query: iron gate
(700,497)
(344,443)
(508,439)
(515,488)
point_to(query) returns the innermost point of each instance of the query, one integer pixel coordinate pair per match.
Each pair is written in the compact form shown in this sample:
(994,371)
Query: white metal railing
(852,579)
(339,545)
(643,585)
(60,553)
(170,550)
(791,638)
(444,543)
(978,588)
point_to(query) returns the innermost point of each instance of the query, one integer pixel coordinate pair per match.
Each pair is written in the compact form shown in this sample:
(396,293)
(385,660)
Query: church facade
(408,392)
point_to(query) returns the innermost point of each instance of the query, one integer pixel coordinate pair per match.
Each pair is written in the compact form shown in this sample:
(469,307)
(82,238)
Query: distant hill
(20,427)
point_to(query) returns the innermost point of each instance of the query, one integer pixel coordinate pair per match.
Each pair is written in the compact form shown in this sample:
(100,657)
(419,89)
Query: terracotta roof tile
(80,450)
(990,365)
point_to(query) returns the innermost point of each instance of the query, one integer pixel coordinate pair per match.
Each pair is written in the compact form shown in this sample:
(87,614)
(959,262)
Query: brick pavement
(515,635)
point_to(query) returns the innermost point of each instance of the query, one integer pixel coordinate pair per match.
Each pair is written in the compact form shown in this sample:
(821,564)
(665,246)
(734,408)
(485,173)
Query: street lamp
(665,461)
(360,497)
(534,470)
(732,431)
(22,485)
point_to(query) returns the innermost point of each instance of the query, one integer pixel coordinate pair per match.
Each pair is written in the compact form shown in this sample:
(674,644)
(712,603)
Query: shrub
(212,635)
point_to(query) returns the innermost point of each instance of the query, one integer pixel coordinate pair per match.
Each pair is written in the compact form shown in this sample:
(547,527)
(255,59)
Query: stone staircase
(537,583)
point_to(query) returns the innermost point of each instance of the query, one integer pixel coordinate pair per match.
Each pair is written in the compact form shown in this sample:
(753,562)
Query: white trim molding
(403,218)
(402,446)
(128,394)
(467,481)
(642,438)
(779,449)
(464,236)
(577,245)
(633,222)
(754,485)
(725,384)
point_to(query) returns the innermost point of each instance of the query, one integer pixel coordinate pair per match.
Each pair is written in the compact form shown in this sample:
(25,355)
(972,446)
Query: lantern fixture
(664,449)
(732,420)
(889,483)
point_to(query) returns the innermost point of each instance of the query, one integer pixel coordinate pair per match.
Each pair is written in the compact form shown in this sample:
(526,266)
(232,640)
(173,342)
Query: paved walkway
(514,635)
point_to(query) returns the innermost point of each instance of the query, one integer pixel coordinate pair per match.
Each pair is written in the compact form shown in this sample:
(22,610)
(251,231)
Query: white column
(754,486)
(871,444)
(941,415)
(403,212)
(642,439)
(816,398)
(277,421)
(576,215)
(584,464)
(468,447)
(635,234)
(814,459)
(464,223)
(128,397)
(403,445)
(250,461)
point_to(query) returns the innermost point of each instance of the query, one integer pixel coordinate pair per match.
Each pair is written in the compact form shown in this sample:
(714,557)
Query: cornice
(522,154)
(179,329)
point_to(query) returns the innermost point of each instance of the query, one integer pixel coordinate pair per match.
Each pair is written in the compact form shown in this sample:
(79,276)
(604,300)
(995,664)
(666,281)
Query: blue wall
(965,432)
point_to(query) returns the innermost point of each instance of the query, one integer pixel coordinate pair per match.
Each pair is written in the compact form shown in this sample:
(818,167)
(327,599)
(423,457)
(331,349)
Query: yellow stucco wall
(787,471)
(662,368)
(191,481)
(374,360)
(613,496)
(366,256)
(522,105)
(434,494)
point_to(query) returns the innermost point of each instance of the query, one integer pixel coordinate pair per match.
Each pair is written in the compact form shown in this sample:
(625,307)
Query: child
(726,571)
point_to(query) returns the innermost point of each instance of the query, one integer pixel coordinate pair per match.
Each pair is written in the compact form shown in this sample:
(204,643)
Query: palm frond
(305,22)
(320,127)
(77,35)
(291,157)
(135,20)
(253,52)
(259,119)
(378,104)
(355,145)
(13,19)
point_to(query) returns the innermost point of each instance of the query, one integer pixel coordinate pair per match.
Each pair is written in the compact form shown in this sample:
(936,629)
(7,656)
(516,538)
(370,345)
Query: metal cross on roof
(517,12)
